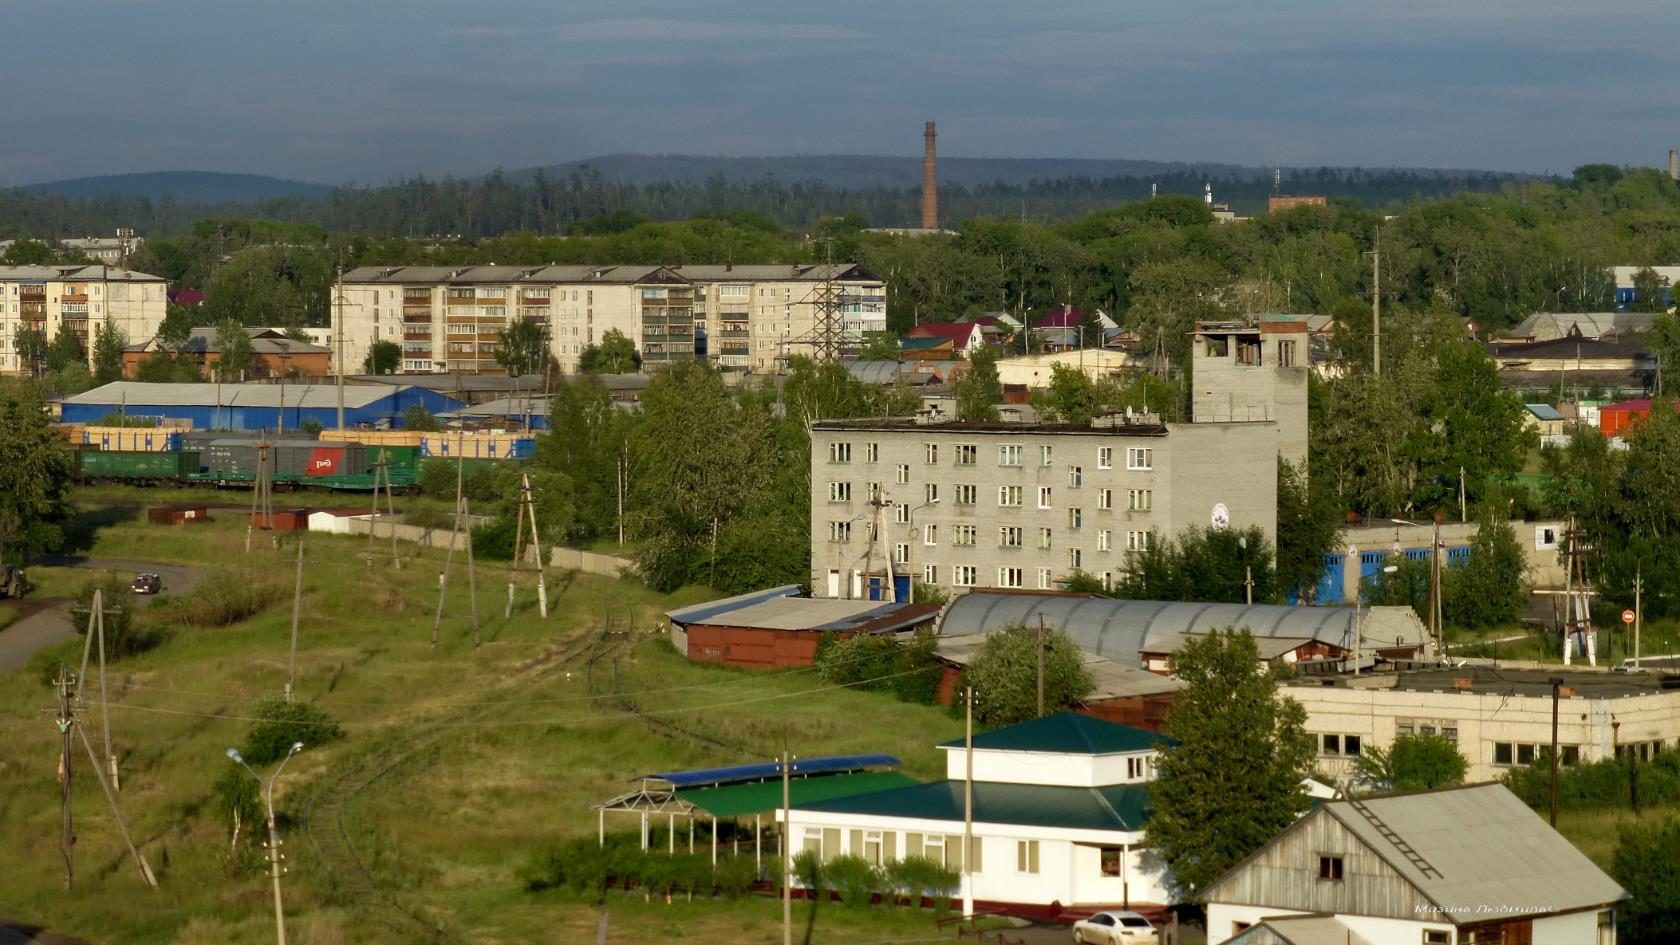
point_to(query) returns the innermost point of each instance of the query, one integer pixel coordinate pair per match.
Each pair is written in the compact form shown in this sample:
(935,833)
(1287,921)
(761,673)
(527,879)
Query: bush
(283,723)
(125,633)
(859,658)
(437,480)
(735,876)
(1624,783)
(1645,865)
(311,426)
(919,682)
(226,597)
(856,879)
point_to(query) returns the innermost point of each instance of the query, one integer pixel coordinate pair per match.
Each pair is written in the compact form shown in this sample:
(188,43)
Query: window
(901,553)
(1009,536)
(873,490)
(930,535)
(1140,500)
(966,494)
(1137,769)
(1105,540)
(1044,455)
(1436,937)
(903,474)
(871,452)
(839,492)
(967,454)
(1140,457)
(963,575)
(930,492)
(1009,455)
(872,844)
(839,452)
(965,535)
(1330,868)
(1525,754)
(813,842)
(901,513)
(1026,855)
(1076,518)
(1110,857)
(1105,499)
(1046,579)
(1607,927)
(1075,558)
(1137,541)
(1044,497)
(839,531)
(1044,537)
(1105,457)
(1009,497)
(1009,577)
(1503,753)
(930,454)
(930,574)
(1076,476)
(1248,351)
(1286,354)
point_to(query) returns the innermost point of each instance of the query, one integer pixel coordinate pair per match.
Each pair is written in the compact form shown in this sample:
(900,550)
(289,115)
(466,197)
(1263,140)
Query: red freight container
(325,461)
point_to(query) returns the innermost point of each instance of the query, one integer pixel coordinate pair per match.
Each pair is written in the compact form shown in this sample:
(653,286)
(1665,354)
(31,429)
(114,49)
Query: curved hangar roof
(1118,629)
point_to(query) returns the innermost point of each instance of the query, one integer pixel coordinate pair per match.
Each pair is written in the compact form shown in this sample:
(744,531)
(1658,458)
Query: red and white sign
(1627,616)
(324,462)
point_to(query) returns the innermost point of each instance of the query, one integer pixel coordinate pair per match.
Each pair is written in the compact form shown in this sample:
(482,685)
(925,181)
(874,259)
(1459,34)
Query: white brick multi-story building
(751,317)
(43,298)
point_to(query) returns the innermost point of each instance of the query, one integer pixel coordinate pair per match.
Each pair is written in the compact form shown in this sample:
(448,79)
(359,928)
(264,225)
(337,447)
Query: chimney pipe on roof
(930,180)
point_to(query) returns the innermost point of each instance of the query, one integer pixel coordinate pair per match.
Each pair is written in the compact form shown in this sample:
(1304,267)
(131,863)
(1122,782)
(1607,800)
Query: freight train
(336,460)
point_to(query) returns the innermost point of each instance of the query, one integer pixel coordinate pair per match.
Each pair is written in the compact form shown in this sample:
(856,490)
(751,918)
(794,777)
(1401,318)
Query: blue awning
(765,770)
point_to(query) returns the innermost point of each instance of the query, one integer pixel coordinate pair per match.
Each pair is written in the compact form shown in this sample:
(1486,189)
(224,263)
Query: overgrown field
(456,765)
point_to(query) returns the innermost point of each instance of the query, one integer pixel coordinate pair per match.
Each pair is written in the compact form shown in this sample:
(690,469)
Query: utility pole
(787,853)
(1040,649)
(297,605)
(1557,686)
(968,805)
(1435,588)
(66,735)
(1376,306)
(96,629)
(449,556)
(1463,515)
(621,496)
(472,578)
(1638,609)
(338,342)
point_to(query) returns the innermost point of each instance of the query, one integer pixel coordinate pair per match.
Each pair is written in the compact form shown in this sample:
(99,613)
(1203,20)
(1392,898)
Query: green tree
(522,348)
(166,367)
(417,417)
(589,445)
(108,344)
(124,635)
(28,252)
(66,349)
(176,328)
(1663,341)
(1650,291)
(1487,589)
(1004,674)
(1646,866)
(234,352)
(1210,813)
(1412,763)
(616,354)
(1202,564)
(32,348)
(1479,427)
(280,724)
(383,357)
(36,465)
(881,346)
(1308,528)
(979,390)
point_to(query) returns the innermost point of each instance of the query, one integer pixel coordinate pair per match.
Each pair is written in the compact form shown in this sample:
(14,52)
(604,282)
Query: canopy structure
(738,791)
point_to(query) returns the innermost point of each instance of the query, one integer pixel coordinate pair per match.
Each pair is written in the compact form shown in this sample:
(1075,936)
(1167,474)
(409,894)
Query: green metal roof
(734,800)
(1067,733)
(1117,807)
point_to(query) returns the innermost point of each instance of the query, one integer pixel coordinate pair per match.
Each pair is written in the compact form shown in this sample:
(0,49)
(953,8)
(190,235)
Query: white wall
(1577,927)
(1037,767)
(1377,931)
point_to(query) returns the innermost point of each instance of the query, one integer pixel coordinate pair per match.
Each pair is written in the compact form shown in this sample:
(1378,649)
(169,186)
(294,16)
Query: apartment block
(966,505)
(43,298)
(743,318)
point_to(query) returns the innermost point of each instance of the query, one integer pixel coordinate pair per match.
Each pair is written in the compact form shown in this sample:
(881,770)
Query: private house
(1595,326)
(777,627)
(1059,811)
(1059,329)
(965,337)
(1547,423)
(273,354)
(1621,364)
(1462,865)
(1157,654)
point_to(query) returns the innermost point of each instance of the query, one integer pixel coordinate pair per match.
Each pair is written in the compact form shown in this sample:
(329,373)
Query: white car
(1114,928)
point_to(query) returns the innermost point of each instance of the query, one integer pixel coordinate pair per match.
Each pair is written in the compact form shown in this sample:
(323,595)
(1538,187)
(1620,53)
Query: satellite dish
(1221,517)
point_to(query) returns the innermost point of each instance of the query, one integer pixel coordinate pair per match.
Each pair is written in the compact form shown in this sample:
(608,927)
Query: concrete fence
(589,562)
(568,559)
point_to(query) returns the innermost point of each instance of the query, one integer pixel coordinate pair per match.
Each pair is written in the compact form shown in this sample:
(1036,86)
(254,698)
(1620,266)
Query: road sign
(1627,616)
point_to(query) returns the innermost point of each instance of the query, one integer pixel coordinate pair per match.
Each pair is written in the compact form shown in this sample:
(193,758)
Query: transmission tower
(826,335)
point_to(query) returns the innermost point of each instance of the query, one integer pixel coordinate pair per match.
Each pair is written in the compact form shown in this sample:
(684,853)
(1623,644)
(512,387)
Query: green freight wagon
(137,466)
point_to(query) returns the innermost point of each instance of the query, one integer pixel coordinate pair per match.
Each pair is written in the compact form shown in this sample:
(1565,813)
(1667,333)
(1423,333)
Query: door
(833,582)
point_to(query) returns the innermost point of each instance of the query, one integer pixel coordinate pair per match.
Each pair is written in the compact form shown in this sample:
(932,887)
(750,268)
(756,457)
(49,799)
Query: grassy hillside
(457,762)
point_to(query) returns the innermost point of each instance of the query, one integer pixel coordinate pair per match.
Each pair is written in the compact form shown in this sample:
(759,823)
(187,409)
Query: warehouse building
(253,406)
(777,627)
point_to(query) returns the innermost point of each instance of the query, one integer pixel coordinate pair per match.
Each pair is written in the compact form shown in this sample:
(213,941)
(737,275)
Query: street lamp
(1248,570)
(273,832)
(910,553)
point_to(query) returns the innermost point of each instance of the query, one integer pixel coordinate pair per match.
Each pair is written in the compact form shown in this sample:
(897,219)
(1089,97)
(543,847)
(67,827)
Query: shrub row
(870,661)
(1625,782)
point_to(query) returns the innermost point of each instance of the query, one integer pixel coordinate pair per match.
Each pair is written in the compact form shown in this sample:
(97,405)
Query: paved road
(25,934)
(47,622)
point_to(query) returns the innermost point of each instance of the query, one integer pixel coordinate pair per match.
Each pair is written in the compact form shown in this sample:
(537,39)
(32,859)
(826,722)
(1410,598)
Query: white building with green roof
(1058,818)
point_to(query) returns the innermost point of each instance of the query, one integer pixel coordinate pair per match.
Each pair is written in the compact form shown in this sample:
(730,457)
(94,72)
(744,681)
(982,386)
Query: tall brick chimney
(930,180)
(1673,164)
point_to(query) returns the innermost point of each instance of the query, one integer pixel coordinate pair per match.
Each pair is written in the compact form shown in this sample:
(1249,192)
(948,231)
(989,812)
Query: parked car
(1114,928)
(147,583)
(13,582)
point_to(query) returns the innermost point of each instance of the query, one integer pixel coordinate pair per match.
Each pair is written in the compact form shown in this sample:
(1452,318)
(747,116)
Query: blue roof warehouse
(254,406)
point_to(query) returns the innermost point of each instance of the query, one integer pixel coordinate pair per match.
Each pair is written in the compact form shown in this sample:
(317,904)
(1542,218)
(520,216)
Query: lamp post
(910,553)
(273,832)
(1248,570)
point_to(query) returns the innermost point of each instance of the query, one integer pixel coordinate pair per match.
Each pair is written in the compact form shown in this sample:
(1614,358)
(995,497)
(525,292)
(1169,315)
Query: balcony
(417,318)
(69,297)
(417,335)
(462,300)
(417,296)
(538,300)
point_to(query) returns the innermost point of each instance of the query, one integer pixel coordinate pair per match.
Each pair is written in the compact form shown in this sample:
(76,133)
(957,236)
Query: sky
(368,91)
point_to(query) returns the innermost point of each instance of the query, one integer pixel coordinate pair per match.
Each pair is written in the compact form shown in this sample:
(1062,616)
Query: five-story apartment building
(82,298)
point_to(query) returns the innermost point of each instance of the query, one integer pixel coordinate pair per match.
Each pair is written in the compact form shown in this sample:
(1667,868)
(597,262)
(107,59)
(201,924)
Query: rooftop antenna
(1207,193)
(1154,188)
(1277,181)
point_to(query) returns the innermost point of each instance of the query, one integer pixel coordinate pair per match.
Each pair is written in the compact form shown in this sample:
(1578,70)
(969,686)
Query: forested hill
(185,186)
(872,171)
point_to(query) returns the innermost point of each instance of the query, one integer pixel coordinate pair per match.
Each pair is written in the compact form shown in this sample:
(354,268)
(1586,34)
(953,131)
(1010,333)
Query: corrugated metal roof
(1478,852)
(1544,411)
(1066,733)
(698,613)
(735,800)
(1110,680)
(787,612)
(1121,807)
(1120,629)
(765,770)
(504,407)
(140,394)
(1301,930)
(1270,648)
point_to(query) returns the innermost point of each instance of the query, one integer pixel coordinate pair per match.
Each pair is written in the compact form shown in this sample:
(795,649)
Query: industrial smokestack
(1673,164)
(930,180)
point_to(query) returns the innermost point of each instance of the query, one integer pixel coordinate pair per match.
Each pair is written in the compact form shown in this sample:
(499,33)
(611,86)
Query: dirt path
(46,621)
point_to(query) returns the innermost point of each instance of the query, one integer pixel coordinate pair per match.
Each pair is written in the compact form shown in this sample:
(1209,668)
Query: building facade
(967,505)
(1500,719)
(743,318)
(1255,369)
(82,298)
